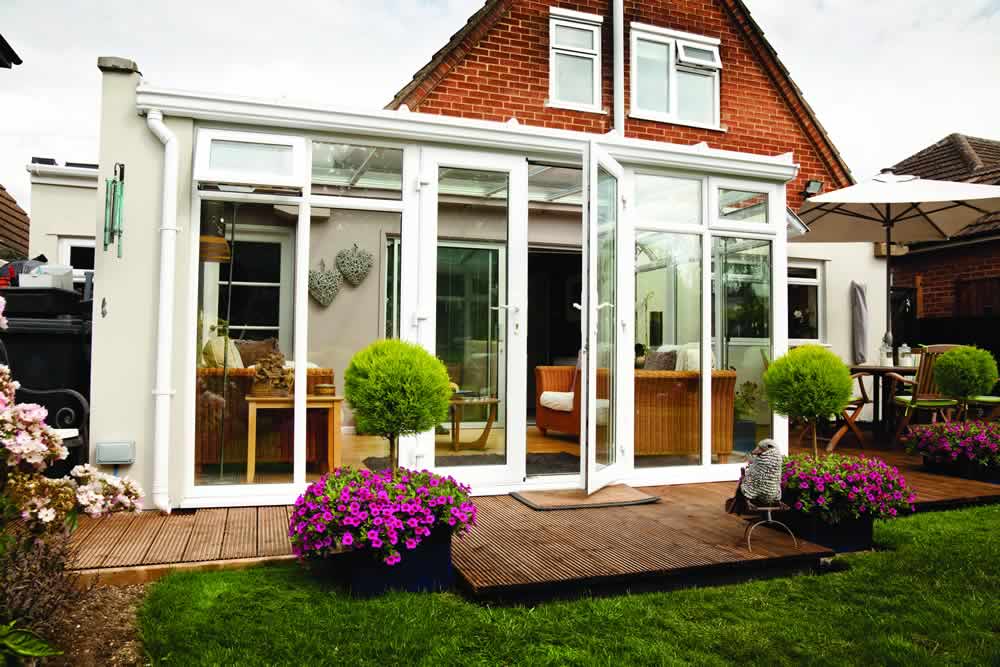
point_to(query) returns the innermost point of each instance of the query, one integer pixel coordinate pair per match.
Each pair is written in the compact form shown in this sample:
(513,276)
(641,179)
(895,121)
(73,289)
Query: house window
(574,60)
(78,253)
(675,77)
(805,300)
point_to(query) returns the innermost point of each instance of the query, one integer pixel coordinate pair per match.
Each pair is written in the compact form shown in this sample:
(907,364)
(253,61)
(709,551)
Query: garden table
(458,405)
(330,403)
(881,400)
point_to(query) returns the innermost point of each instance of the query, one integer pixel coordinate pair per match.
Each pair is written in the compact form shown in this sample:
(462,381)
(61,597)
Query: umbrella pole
(887,338)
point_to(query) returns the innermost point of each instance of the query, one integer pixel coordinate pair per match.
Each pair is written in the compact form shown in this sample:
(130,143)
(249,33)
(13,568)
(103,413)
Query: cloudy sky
(886,78)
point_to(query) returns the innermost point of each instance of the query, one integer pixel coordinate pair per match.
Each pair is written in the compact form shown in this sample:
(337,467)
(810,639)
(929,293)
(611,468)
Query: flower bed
(379,517)
(835,499)
(967,449)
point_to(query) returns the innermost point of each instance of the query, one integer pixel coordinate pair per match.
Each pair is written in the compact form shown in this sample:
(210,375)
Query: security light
(813,188)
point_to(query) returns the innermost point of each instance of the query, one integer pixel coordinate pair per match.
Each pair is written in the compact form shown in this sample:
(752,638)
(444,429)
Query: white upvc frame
(65,247)
(513,472)
(819,282)
(576,21)
(205,173)
(676,41)
(775,223)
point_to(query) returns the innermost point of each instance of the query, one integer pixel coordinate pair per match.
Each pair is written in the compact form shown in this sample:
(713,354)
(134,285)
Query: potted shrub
(965,449)
(376,531)
(748,395)
(810,383)
(965,372)
(835,499)
(395,389)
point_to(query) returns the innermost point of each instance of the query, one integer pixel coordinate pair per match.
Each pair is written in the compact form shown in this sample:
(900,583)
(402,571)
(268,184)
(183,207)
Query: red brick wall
(940,270)
(505,74)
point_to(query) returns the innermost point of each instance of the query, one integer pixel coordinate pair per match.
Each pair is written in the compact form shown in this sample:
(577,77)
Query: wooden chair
(851,413)
(924,396)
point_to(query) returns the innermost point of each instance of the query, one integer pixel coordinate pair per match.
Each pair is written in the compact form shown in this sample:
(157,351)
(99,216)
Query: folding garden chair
(851,413)
(924,396)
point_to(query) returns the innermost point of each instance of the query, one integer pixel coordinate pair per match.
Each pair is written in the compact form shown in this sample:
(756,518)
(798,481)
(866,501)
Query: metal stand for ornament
(765,517)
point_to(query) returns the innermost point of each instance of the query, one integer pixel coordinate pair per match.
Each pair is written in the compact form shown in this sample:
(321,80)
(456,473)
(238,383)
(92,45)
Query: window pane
(574,79)
(664,199)
(81,258)
(741,294)
(803,312)
(668,350)
(801,272)
(742,206)
(251,306)
(253,261)
(243,157)
(357,171)
(652,88)
(574,37)
(695,97)
(698,53)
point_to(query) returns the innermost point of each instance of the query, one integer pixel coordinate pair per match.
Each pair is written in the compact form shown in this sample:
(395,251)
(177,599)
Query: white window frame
(204,173)
(577,21)
(716,222)
(819,282)
(676,41)
(66,244)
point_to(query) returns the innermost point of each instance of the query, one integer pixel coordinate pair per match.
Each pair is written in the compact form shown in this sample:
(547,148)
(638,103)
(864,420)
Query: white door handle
(606,304)
(513,309)
(578,307)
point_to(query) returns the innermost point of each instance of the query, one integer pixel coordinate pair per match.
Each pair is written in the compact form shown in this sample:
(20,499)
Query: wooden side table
(332,406)
(457,408)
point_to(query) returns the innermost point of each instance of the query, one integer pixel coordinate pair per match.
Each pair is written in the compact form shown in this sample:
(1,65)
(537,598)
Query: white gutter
(54,174)
(618,26)
(162,391)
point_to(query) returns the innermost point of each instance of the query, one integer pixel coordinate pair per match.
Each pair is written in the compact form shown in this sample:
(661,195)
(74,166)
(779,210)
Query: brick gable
(497,68)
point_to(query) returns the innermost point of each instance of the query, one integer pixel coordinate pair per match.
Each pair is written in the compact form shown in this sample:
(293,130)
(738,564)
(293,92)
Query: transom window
(574,60)
(805,301)
(675,77)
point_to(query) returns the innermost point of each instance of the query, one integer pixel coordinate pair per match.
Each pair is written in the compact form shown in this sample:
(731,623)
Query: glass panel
(351,322)
(578,38)
(244,421)
(357,171)
(803,312)
(471,315)
(574,79)
(607,332)
(81,258)
(667,200)
(741,331)
(555,283)
(244,157)
(742,206)
(557,185)
(652,84)
(801,272)
(698,53)
(668,349)
(695,97)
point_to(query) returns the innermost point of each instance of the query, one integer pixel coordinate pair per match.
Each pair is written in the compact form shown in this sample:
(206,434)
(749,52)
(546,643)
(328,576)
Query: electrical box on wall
(115,453)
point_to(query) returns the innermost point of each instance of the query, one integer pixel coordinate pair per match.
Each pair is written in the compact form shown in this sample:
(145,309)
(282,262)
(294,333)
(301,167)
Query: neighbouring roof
(480,23)
(8,58)
(959,157)
(13,224)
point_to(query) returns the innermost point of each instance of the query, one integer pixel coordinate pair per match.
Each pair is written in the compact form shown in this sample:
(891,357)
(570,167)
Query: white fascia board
(413,127)
(49,174)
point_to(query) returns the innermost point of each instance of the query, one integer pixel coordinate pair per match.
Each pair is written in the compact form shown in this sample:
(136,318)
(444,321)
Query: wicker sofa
(667,409)
(221,420)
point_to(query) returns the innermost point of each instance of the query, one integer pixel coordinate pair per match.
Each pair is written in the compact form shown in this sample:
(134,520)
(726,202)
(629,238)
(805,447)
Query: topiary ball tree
(965,372)
(395,389)
(809,383)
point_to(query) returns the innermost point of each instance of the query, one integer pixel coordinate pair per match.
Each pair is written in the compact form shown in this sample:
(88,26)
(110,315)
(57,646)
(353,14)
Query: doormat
(561,463)
(619,495)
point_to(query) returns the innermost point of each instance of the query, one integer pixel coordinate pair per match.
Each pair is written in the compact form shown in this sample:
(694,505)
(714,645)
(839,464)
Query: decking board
(207,532)
(240,540)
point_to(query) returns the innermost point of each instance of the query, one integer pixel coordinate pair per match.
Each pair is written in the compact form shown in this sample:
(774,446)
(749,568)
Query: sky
(886,78)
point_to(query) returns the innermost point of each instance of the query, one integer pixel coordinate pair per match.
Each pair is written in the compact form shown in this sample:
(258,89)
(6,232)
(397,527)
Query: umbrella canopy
(917,209)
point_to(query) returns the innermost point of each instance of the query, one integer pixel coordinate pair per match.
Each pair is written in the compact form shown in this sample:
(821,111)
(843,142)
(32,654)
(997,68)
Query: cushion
(215,352)
(561,401)
(603,411)
(252,351)
(661,361)
(925,402)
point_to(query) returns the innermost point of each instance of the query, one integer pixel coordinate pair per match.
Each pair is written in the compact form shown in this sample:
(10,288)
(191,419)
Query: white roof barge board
(432,128)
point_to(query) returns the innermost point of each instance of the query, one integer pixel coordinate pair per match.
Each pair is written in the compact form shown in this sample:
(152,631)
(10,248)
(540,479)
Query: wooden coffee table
(330,403)
(458,406)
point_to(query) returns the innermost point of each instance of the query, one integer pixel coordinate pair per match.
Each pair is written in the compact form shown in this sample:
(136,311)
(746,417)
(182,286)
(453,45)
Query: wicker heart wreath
(354,264)
(324,284)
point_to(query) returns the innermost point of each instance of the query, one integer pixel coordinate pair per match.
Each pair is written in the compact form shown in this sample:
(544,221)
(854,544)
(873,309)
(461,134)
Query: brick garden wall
(940,270)
(504,74)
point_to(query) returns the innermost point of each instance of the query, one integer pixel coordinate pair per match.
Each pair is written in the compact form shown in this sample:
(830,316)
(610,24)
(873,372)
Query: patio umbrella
(892,207)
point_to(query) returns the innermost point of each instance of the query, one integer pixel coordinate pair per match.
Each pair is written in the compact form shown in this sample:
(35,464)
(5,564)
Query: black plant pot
(744,435)
(426,568)
(962,468)
(846,536)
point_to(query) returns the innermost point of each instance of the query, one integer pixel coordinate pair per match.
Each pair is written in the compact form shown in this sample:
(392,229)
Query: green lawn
(931,596)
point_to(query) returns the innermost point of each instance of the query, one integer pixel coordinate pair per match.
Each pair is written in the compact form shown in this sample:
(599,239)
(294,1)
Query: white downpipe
(619,66)
(162,391)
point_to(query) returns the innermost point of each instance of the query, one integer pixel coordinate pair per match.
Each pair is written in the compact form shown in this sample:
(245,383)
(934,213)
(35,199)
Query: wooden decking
(685,537)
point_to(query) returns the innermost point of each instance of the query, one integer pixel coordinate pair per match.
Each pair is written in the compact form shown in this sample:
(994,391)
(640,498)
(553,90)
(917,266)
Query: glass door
(604,324)
(472,307)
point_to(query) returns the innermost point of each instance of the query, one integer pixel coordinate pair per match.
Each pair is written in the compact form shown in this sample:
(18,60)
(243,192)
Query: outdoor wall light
(812,188)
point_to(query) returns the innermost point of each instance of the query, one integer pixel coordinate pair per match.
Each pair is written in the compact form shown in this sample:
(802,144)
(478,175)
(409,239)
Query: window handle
(606,304)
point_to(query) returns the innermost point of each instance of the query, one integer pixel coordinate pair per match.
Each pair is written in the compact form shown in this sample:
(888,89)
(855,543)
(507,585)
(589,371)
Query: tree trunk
(393,453)
(815,427)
